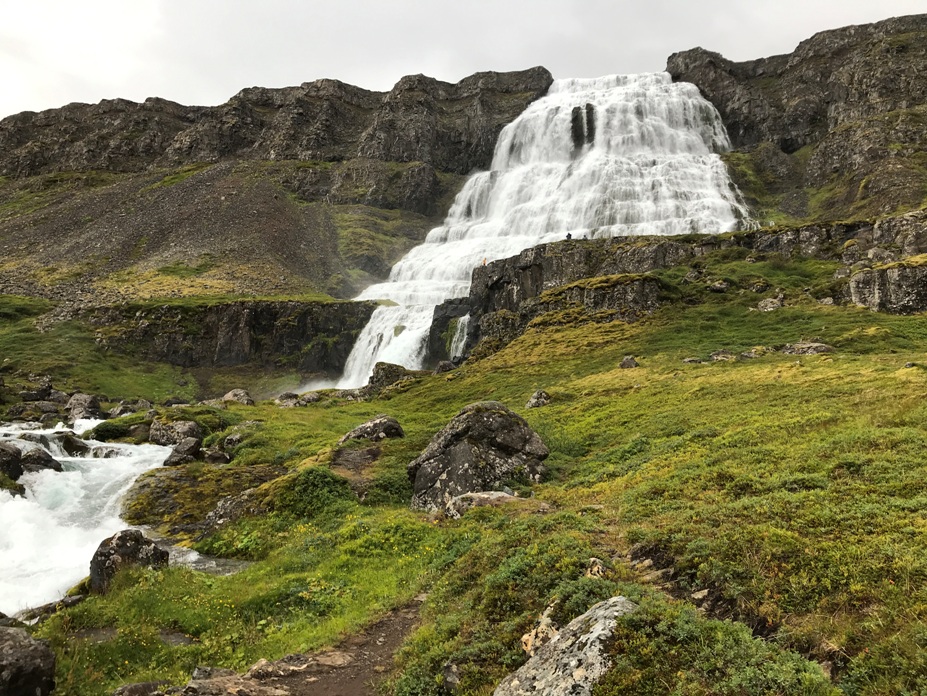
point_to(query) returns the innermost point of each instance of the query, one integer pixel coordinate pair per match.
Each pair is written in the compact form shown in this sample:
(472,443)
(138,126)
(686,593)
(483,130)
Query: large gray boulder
(82,406)
(376,429)
(574,660)
(483,446)
(27,665)
(170,434)
(126,548)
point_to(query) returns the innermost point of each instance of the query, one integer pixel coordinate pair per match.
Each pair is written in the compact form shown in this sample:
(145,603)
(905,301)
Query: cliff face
(849,103)
(308,337)
(452,127)
(320,187)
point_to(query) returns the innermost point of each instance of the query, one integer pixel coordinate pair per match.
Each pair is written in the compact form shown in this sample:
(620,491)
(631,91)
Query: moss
(181,174)
(8,484)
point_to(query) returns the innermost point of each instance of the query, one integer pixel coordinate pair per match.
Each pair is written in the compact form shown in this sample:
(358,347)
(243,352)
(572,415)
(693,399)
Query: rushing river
(48,537)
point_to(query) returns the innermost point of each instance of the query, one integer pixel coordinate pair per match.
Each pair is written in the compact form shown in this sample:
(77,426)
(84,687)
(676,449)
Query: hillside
(731,435)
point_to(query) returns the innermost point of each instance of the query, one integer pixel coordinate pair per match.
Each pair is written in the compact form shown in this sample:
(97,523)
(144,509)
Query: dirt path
(351,669)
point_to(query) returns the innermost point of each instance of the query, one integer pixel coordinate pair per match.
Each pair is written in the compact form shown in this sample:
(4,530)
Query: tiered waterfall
(612,156)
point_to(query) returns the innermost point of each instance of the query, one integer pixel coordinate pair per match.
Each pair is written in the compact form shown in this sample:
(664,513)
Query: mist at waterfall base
(48,538)
(614,156)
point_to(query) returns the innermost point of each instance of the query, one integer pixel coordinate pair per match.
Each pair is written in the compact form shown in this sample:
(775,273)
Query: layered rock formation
(851,100)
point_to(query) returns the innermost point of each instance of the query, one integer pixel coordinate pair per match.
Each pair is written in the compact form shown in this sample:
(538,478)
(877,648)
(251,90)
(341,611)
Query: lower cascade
(48,536)
(613,156)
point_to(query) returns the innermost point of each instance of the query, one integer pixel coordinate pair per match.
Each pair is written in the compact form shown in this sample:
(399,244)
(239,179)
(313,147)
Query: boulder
(770,304)
(574,659)
(73,445)
(377,429)
(445,366)
(538,399)
(184,452)
(83,406)
(27,665)
(287,400)
(897,289)
(806,348)
(10,462)
(627,362)
(384,375)
(484,445)
(239,396)
(170,434)
(458,505)
(39,460)
(126,548)
(155,688)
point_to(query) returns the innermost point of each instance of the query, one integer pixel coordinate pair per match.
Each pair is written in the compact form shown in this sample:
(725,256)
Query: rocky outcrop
(172,433)
(451,127)
(574,659)
(852,95)
(311,337)
(484,445)
(27,665)
(443,328)
(898,289)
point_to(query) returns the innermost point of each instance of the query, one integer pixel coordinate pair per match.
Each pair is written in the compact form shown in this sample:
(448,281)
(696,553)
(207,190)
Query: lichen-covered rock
(27,665)
(384,375)
(806,348)
(484,445)
(170,434)
(572,661)
(126,548)
(458,505)
(82,406)
(538,399)
(239,396)
(376,429)
(628,362)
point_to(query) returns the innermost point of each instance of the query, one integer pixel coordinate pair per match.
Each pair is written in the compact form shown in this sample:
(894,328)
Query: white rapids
(613,156)
(48,538)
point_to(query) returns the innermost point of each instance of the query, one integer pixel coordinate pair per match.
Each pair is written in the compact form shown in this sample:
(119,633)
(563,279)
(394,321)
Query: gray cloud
(203,51)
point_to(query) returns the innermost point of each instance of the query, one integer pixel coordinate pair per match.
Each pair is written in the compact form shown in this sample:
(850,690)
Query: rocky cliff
(308,337)
(318,187)
(834,129)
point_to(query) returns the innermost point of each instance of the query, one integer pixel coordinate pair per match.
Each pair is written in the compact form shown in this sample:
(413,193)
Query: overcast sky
(53,52)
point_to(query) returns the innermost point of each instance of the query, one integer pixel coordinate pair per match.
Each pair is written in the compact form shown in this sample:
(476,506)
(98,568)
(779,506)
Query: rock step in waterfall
(613,156)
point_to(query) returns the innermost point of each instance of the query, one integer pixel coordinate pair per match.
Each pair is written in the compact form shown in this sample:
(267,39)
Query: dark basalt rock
(39,460)
(484,445)
(11,464)
(126,548)
(27,665)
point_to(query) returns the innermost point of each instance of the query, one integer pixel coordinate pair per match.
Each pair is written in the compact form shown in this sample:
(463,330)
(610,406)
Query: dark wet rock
(538,399)
(170,434)
(73,445)
(184,452)
(628,362)
(485,445)
(27,665)
(126,548)
(10,461)
(39,460)
(806,348)
(376,429)
(571,664)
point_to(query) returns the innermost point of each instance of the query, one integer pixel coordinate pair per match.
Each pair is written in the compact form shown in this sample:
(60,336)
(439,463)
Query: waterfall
(612,156)
(48,537)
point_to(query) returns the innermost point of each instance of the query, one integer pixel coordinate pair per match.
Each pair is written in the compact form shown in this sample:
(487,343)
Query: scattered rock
(722,356)
(806,348)
(27,665)
(377,429)
(73,445)
(538,399)
(239,396)
(543,632)
(184,452)
(828,301)
(176,401)
(287,400)
(214,455)
(910,364)
(720,286)
(126,548)
(483,446)
(627,362)
(771,304)
(574,660)
(142,689)
(445,366)
(699,596)
(596,568)
(760,286)
(692,361)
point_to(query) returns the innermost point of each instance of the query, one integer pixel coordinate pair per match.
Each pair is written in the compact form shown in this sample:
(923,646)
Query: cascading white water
(48,538)
(612,156)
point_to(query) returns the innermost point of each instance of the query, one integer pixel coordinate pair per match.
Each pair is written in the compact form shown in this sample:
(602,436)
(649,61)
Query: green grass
(181,174)
(789,488)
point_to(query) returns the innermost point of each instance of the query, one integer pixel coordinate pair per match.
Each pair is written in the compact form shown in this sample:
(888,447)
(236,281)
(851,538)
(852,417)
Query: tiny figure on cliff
(569,235)
(484,260)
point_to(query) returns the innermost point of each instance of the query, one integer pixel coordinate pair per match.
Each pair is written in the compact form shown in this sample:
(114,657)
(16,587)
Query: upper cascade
(613,156)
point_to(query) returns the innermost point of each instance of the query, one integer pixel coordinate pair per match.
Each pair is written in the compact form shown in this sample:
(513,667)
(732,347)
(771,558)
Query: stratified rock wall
(311,337)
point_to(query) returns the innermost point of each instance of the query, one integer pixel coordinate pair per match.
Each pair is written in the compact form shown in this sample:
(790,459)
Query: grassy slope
(788,487)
